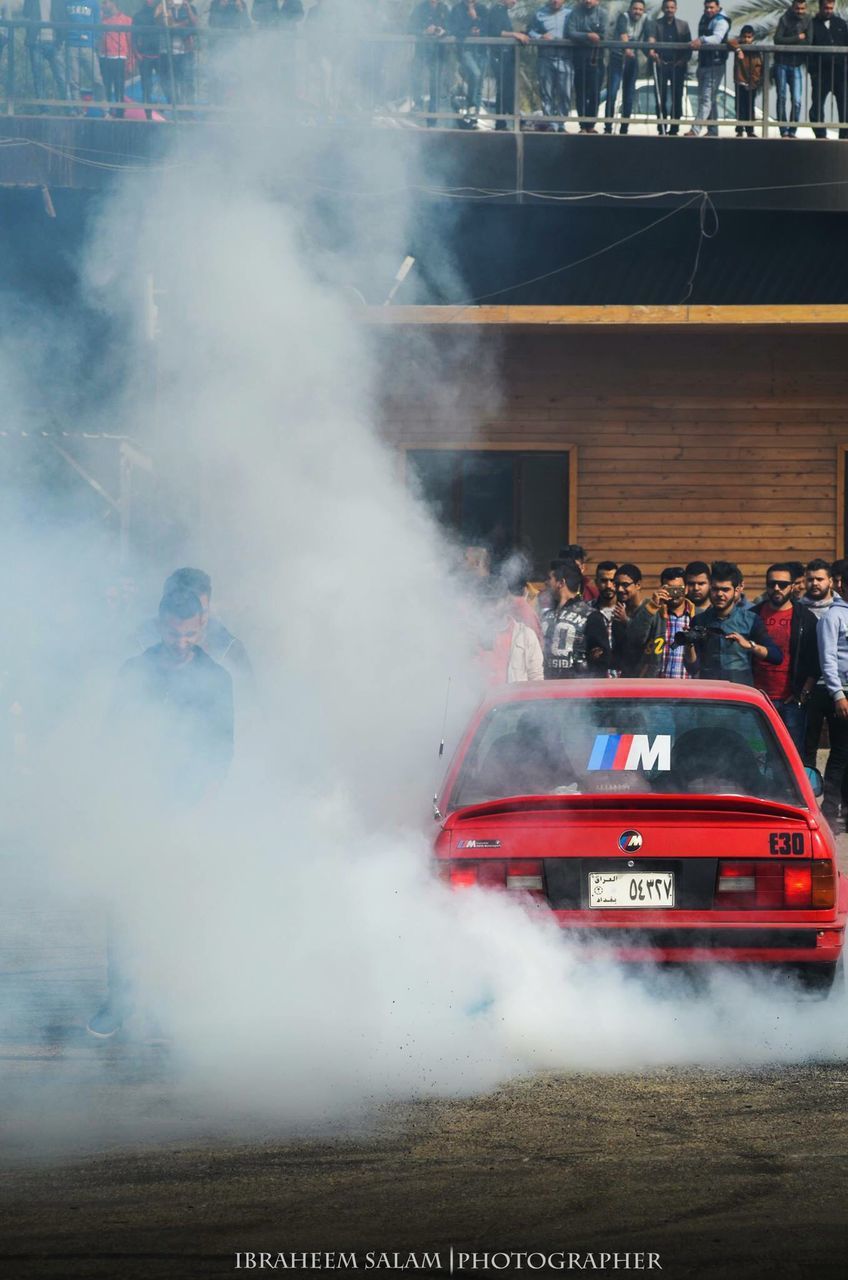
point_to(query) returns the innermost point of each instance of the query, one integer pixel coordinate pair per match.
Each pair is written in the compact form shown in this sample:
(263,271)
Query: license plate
(610,889)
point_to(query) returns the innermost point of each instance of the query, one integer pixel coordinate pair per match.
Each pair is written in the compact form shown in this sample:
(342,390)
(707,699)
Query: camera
(696,635)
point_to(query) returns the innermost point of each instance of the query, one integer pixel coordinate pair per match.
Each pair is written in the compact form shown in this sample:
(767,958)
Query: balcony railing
(180,74)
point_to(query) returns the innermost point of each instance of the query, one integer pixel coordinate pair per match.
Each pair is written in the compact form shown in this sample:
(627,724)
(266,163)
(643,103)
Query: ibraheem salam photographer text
(454,1260)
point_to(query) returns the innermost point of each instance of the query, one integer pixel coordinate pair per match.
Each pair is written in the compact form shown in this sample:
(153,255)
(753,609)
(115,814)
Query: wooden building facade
(656,436)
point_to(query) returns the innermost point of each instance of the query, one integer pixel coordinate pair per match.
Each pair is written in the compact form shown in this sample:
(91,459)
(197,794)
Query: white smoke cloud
(289,936)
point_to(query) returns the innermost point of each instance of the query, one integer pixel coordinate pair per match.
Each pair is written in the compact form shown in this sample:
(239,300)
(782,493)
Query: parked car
(661,820)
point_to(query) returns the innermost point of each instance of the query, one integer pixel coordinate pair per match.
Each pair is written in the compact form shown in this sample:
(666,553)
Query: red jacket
(115,44)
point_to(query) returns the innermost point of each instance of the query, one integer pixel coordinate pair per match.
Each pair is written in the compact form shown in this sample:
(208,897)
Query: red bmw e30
(673,820)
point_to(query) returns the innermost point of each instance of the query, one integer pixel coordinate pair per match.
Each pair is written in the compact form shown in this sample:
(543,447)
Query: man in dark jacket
(626,655)
(171,737)
(586,25)
(793,31)
(631,32)
(599,634)
(828,71)
(670,66)
(564,624)
(503,60)
(792,627)
(147,34)
(734,637)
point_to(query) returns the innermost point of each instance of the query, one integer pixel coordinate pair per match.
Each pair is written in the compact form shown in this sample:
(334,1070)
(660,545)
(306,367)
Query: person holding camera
(657,622)
(792,627)
(728,637)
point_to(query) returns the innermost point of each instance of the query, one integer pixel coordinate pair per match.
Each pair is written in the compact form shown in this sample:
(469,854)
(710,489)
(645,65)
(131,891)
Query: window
(567,745)
(497,498)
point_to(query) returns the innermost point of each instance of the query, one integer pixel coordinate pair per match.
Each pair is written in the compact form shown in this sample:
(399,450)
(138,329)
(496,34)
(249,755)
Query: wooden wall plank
(690,444)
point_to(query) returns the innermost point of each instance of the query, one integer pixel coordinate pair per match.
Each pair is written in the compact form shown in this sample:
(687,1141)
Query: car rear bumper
(743,943)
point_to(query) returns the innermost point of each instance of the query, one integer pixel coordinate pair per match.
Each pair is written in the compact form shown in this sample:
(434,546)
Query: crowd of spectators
(609,49)
(697,622)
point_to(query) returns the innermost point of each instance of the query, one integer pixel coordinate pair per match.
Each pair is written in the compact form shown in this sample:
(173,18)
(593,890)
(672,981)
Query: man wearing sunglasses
(792,629)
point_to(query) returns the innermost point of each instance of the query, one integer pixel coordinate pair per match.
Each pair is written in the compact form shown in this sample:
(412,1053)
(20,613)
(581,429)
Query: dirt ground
(723,1174)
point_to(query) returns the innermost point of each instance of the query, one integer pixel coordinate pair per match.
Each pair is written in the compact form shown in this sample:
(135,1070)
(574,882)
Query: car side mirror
(815,781)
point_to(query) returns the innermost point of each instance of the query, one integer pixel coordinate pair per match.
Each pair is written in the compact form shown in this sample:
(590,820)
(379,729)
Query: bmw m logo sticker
(631,751)
(478,844)
(630,841)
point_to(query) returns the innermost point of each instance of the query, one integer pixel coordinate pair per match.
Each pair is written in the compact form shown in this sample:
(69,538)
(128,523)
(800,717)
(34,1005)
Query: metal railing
(194,73)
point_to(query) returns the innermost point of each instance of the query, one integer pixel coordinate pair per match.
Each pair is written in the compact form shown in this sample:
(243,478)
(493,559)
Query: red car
(672,820)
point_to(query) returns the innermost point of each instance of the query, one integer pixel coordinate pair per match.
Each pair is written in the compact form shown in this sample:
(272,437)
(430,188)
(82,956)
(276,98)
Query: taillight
(758,885)
(798,886)
(521,876)
(491,874)
(462,875)
(824,884)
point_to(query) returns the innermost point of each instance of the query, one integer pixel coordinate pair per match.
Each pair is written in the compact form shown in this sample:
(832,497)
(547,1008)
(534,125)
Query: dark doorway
(498,498)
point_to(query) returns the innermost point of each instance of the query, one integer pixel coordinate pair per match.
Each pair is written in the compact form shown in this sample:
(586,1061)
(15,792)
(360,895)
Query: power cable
(568,266)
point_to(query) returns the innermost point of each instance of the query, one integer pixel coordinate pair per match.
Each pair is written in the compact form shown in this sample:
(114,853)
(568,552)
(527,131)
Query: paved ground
(728,1173)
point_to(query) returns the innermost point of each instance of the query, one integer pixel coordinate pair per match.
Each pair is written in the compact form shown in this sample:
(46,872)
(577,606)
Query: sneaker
(105,1023)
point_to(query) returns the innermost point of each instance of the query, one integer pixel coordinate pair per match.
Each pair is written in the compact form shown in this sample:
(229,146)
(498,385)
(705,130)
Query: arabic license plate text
(631,889)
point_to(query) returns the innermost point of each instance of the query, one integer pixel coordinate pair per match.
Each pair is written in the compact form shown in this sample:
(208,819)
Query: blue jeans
(556,85)
(795,719)
(46,51)
(791,78)
(709,82)
(622,72)
(472,66)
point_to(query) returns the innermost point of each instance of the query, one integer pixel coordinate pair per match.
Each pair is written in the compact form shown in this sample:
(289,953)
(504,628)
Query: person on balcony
(793,32)
(429,20)
(669,66)
(228,15)
(713,50)
(147,39)
(469,21)
(177,67)
(828,71)
(630,31)
(44,43)
(748,78)
(503,60)
(555,66)
(114,52)
(81,49)
(587,27)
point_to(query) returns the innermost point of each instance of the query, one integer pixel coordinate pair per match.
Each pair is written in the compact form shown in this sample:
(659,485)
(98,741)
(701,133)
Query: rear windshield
(564,746)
